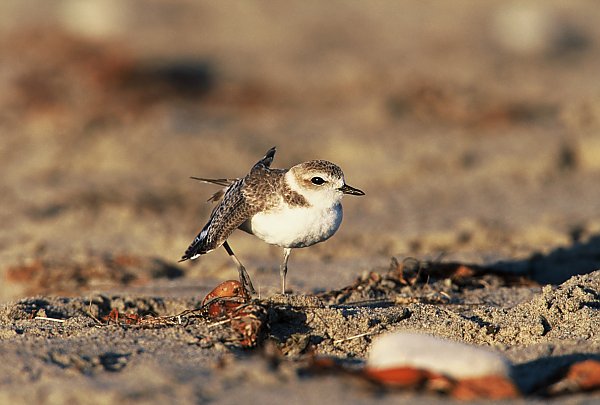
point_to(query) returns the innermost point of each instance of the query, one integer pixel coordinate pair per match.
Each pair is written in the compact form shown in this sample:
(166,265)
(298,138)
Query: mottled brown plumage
(243,198)
(291,197)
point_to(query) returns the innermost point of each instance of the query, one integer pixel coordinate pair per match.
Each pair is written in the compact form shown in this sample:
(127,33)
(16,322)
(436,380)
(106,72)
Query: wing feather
(237,203)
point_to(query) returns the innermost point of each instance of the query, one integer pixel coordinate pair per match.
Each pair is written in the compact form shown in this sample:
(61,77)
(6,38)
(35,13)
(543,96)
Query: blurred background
(473,127)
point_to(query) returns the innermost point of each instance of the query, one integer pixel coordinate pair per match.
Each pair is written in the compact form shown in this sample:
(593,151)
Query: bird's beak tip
(346,189)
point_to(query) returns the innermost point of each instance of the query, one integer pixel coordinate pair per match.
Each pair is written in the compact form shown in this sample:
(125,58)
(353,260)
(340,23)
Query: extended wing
(216,197)
(233,209)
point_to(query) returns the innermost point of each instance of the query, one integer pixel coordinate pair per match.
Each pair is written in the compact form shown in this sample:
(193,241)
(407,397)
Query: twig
(44,318)
(212,325)
(335,342)
(89,313)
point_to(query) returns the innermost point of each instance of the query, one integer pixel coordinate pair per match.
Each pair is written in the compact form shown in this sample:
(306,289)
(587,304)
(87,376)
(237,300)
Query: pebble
(436,355)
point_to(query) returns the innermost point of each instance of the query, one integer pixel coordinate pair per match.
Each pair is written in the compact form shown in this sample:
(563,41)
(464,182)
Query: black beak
(346,189)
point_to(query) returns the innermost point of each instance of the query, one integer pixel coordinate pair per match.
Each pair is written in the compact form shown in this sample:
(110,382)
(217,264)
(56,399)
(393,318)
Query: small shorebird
(291,208)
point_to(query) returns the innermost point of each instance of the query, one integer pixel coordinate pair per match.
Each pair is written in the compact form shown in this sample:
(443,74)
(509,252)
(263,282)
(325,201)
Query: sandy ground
(472,127)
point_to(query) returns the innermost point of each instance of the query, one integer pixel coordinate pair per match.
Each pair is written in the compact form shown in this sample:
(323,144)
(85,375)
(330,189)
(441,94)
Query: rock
(435,355)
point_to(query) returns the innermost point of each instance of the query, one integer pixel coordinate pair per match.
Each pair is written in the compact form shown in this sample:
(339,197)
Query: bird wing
(238,202)
(262,164)
(219,182)
(226,183)
(266,160)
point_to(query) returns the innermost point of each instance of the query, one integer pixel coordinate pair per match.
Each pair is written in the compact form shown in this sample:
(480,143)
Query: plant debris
(297,335)
(413,280)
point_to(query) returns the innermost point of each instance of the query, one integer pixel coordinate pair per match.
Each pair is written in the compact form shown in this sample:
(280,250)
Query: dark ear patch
(293,198)
(307,183)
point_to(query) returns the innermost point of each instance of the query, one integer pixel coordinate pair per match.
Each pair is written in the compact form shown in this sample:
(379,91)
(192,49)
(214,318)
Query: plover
(291,208)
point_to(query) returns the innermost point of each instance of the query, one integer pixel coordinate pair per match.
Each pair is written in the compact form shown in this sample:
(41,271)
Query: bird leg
(283,268)
(244,277)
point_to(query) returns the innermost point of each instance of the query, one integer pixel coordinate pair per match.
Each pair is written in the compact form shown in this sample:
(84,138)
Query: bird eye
(317,180)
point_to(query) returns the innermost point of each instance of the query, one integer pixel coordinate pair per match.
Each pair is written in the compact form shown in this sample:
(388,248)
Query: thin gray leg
(283,268)
(244,277)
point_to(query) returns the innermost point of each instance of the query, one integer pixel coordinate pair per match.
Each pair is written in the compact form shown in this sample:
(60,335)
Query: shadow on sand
(559,265)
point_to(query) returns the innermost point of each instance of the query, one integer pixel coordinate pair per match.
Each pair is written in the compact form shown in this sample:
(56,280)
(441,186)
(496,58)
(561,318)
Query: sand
(475,141)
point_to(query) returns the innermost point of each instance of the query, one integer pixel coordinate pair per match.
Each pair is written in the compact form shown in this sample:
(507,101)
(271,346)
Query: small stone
(585,375)
(403,377)
(492,387)
(435,355)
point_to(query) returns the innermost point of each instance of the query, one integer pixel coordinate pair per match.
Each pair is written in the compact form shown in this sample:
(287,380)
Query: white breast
(296,227)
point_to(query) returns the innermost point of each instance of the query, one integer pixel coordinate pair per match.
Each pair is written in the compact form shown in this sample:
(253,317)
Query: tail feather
(220,182)
(197,247)
(216,197)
